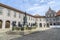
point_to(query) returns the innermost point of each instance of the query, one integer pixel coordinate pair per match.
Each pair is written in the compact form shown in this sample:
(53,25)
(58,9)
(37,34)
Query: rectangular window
(19,15)
(14,14)
(40,19)
(29,17)
(1,10)
(8,12)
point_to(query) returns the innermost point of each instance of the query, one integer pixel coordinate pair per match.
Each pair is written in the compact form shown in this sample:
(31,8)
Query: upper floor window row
(1,8)
(14,13)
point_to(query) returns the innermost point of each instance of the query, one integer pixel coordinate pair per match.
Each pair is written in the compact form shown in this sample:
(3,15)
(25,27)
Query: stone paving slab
(51,34)
(4,36)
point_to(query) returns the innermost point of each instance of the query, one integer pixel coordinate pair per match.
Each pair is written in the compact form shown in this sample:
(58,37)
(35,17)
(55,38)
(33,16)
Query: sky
(33,6)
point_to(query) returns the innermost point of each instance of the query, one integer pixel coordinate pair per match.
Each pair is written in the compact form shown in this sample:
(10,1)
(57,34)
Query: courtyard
(51,34)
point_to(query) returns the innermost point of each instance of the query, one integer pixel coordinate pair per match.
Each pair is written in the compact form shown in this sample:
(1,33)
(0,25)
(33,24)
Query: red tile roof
(58,13)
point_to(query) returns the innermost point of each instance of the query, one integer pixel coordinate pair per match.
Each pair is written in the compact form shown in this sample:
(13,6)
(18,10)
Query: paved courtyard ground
(51,34)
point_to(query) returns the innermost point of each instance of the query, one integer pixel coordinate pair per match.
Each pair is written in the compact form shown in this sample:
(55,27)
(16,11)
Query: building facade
(50,17)
(10,17)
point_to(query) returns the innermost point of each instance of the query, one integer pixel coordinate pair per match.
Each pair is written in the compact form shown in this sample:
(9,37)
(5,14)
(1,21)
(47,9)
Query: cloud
(33,6)
(51,2)
(42,1)
(38,9)
(36,4)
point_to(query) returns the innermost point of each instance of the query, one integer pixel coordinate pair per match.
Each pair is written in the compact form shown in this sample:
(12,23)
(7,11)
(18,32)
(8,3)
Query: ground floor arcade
(9,24)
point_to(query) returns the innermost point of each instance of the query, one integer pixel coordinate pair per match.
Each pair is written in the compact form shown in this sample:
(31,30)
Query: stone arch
(40,24)
(47,24)
(7,24)
(0,23)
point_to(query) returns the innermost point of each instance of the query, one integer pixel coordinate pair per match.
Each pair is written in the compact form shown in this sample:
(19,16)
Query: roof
(39,16)
(58,13)
(35,16)
(50,11)
(5,6)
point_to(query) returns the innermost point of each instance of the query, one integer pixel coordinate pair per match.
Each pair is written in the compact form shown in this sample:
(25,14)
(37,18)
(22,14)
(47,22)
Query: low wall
(42,29)
(55,26)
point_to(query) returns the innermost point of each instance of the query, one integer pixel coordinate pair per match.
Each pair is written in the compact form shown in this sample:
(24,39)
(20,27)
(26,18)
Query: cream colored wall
(43,21)
(31,20)
(4,17)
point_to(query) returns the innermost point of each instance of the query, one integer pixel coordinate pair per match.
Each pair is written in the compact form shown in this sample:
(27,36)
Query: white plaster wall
(31,20)
(4,17)
(43,21)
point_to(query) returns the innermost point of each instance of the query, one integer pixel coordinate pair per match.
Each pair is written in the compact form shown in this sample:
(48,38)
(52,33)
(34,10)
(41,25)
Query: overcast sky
(33,6)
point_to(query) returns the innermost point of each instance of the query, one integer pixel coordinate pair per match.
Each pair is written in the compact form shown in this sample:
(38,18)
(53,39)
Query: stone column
(16,23)
(3,24)
(38,25)
(49,24)
(42,25)
(11,25)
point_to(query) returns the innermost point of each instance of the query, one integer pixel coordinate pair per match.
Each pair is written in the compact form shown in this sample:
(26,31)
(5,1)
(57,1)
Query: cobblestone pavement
(51,34)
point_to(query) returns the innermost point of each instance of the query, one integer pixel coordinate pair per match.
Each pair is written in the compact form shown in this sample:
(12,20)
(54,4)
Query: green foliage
(22,28)
(16,28)
(34,27)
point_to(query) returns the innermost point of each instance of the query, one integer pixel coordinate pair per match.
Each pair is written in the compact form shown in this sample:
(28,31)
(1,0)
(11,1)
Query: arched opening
(50,23)
(40,24)
(47,25)
(54,23)
(14,23)
(0,23)
(7,24)
(19,24)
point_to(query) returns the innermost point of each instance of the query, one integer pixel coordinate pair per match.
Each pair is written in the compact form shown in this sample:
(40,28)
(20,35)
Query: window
(48,15)
(14,14)
(8,12)
(29,17)
(29,23)
(50,23)
(40,19)
(53,19)
(54,23)
(19,15)
(1,10)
